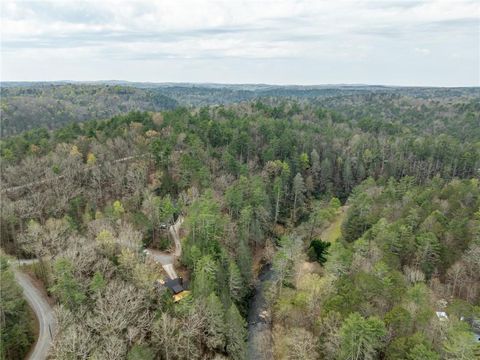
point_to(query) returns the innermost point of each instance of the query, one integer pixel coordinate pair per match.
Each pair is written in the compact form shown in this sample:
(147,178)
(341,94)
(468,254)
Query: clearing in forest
(334,230)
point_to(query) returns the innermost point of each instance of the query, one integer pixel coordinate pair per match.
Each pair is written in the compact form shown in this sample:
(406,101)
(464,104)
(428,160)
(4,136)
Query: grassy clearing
(334,230)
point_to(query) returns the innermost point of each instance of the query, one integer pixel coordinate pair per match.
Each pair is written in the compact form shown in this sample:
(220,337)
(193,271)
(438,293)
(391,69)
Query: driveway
(167,259)
(174,231)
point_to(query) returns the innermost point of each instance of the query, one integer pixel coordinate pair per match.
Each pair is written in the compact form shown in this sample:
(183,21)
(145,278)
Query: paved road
(43,311)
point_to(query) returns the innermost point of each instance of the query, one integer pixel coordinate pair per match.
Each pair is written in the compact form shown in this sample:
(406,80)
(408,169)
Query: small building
(176,286)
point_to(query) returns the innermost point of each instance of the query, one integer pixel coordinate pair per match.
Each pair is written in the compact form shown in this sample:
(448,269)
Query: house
(176,286)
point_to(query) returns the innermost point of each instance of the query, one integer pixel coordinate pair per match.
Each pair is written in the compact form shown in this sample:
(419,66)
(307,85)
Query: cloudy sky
(392,42)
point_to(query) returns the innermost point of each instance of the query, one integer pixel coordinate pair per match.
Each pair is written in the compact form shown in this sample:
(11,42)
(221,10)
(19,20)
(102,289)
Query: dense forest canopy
(28,106)
(52,106)
(257,183)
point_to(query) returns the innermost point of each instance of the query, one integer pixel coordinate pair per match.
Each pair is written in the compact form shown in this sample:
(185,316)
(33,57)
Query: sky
(389,42)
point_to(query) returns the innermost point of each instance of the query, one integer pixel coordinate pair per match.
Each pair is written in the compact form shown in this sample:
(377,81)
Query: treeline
(347,151)
(40,142)
(458,116)
(53,106)
(29,106)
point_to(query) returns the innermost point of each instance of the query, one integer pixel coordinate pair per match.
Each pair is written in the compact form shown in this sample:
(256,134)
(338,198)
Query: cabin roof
(176,285)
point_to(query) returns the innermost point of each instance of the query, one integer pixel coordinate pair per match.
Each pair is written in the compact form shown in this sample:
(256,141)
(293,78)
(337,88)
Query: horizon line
(104,81)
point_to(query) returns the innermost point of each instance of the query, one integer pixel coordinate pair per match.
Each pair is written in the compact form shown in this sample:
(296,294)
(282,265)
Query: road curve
(44,313)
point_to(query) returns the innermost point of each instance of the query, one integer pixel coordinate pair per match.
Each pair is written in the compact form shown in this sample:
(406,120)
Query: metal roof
(176,285)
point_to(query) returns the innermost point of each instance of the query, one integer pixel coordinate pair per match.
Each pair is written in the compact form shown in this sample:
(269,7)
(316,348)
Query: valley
(272,228)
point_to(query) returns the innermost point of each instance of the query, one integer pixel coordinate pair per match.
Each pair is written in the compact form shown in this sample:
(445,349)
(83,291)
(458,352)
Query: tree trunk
(277,203)
(294,213)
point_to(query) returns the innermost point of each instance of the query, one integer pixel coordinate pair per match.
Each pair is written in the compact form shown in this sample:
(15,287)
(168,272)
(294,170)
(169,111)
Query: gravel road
(44,313)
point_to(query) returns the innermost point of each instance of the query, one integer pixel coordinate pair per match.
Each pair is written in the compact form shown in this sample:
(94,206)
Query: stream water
(259,319)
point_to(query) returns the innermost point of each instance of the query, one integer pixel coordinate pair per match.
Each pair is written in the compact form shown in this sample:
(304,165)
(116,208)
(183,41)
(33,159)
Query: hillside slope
(52,106)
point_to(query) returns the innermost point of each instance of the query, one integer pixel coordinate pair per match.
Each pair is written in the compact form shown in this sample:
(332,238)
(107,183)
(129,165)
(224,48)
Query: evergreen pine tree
(236,333)
(215,324)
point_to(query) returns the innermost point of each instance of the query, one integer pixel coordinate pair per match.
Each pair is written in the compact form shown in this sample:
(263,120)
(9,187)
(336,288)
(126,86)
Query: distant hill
(36,105)
(30,105)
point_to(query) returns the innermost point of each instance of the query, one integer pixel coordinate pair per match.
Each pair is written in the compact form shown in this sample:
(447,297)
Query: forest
(51,105)
(362,206)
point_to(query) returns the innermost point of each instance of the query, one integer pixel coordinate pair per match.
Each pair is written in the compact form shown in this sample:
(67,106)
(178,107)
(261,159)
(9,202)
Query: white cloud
(331,34)
(422,51)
